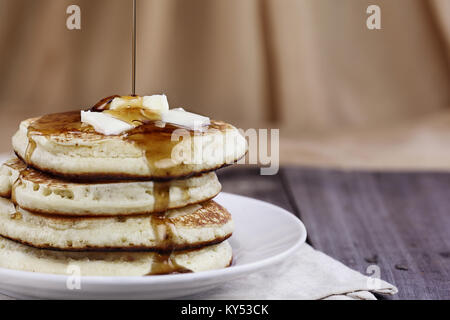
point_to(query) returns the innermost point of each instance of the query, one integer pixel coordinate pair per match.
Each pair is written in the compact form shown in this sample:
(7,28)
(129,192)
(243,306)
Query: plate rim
(175,278)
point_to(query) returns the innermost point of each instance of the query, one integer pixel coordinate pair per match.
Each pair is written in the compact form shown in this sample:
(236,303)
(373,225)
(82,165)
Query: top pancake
(61,145)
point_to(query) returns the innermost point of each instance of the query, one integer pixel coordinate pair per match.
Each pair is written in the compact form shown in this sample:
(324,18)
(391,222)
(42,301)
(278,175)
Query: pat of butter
(186,119)
(105,123)
(156,102)
(121,102)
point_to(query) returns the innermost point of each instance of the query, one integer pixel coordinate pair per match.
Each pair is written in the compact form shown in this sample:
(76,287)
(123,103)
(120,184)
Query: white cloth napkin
(309,274)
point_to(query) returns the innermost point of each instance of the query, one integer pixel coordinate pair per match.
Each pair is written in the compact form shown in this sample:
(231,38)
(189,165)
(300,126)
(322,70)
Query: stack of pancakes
(114,205)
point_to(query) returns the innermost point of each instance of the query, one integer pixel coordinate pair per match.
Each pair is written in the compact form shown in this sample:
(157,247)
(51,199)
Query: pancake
(20,257)
(61,145)
(178,229)
(39,192)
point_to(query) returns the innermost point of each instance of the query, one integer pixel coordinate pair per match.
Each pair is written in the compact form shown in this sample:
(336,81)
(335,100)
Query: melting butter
(155,140)
(135,116)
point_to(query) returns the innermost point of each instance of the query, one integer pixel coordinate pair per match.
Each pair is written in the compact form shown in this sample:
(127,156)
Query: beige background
(342,95)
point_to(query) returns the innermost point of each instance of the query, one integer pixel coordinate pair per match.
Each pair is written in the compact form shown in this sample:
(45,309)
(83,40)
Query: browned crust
(6,195)
(118,177)
(209,208)
(161,249)
(231,262)
(210,214)
(46,179)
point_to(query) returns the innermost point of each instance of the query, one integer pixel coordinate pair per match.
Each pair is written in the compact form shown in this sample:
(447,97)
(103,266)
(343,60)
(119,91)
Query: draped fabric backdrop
(342,95)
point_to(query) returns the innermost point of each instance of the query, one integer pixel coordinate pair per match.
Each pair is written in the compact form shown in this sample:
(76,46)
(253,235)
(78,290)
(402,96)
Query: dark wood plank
(399,221)
(247,181)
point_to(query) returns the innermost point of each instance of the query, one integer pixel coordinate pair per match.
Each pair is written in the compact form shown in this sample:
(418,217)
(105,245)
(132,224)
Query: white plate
(265,234)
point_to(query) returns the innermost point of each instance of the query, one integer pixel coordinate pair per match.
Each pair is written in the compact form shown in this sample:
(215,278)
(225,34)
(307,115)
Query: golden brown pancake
(17,256)
(38,192)
(178,229)
(60,144)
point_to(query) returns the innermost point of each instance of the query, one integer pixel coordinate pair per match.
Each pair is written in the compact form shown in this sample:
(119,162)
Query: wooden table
(398,221)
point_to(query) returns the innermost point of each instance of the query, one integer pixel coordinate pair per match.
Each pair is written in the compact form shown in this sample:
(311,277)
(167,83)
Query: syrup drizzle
(31,146)
(155,141)
(161,192)
(53,124)
(164,263)
(103,103)
(134,115)
(162,225)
